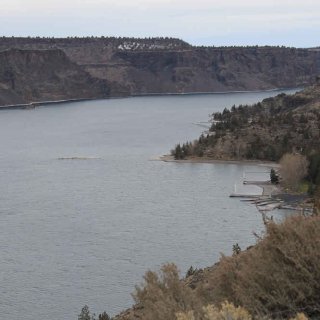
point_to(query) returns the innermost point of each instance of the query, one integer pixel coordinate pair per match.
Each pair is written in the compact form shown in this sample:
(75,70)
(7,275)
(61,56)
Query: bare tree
(294,167)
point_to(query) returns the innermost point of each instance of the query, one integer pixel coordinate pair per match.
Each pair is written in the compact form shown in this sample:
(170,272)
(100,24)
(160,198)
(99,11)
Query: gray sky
(207,22)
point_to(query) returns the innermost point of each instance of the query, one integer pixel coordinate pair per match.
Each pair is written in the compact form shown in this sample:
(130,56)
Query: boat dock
(244,195)
(264,201)
(270,198)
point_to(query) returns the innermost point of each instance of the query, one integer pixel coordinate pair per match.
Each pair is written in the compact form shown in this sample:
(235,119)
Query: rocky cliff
(218,69)
(163,65)
(44,75)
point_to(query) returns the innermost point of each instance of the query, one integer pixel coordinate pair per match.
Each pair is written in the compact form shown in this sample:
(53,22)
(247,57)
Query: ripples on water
(83,231)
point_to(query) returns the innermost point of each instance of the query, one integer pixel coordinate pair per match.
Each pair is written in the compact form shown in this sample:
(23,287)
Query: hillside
(264,131)
(42,75)
(132,66)
(274,279)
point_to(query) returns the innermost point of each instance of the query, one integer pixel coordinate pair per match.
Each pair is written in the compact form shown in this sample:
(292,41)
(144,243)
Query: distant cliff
(43,75)
(128,66)
(218,69)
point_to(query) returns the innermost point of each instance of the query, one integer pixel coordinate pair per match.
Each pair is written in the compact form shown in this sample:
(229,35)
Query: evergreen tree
(274,178)
(178,152)
(85,314)
(104,316)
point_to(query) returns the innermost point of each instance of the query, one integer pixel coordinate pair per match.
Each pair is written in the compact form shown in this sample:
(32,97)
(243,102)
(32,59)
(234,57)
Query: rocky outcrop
(218,69)
(130,66)
(44,75)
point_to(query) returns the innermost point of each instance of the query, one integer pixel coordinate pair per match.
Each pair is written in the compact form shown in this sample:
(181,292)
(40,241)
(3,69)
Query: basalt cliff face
(44,75)
(218,69)
(127,66)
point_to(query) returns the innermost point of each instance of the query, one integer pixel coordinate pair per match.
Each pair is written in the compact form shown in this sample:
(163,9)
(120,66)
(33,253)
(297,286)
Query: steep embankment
(98,56)
(265,130)
(42,75)
(218,69)
(166,65)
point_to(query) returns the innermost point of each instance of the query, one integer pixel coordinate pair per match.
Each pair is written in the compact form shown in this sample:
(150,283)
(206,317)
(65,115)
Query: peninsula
(263,131)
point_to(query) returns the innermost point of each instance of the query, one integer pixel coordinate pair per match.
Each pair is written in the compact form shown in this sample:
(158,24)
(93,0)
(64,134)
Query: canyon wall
(102,67)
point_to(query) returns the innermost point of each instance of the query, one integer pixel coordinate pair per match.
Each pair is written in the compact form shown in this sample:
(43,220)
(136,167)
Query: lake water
(76,232)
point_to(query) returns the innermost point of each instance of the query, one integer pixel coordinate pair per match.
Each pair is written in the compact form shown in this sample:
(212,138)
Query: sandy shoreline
(169,158)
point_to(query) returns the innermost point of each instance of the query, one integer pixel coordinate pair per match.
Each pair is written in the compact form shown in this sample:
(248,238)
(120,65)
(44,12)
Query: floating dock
(243,195)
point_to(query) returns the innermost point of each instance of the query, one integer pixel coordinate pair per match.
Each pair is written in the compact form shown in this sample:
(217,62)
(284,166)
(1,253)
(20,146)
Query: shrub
(191,271)
(85,314)
(280,276)
(274,178)
(227,311)
(236,249)
(163,295)
(276,278)
(104,316)
(294,167)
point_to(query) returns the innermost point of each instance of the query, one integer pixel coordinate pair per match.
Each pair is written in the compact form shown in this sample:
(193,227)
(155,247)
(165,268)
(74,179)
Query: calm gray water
(76,232)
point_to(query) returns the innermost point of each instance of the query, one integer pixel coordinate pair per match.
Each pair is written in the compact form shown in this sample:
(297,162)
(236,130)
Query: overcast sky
(207,22)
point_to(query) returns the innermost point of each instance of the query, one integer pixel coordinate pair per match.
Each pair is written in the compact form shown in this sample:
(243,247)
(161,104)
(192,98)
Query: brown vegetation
(227,311)
(280,276)
(163,295)
(277,278)
(293,168)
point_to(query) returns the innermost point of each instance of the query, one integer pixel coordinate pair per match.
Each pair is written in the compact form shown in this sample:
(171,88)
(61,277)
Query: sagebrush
(279,277)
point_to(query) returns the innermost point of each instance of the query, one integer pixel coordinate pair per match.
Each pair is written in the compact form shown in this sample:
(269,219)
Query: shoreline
(169,158)
(212,92)
(32,105)
(267,189)
(271,194)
